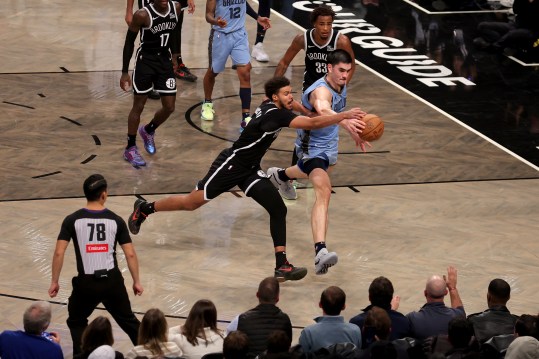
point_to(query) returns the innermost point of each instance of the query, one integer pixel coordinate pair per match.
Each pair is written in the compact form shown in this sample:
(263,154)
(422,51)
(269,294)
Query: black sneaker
(288,272)
(183,73)
(137,217)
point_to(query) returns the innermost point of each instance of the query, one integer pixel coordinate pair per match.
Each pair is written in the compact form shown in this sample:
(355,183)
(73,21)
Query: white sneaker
(323,260)
(207,111)
(285,188)
(259,54)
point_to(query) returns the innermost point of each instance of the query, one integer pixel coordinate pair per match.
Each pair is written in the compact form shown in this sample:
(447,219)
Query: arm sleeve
(129,46)
(251,12)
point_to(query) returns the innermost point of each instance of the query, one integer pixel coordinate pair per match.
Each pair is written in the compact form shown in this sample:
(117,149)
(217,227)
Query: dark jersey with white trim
(316,57)
(261,131)
(156,37)
(94,234)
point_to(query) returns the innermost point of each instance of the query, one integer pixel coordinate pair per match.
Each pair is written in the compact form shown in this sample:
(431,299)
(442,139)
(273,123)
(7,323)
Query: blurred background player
(228,37)
(258,53)
(153,70)
(180,69)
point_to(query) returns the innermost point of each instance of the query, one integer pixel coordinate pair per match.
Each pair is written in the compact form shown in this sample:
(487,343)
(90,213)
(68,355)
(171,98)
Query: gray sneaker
(285,188)
(323,260)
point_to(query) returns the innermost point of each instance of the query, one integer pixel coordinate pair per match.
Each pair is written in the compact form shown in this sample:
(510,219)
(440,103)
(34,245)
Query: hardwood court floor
(427,195)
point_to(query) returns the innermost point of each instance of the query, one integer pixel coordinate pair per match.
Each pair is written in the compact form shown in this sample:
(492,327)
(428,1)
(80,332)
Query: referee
(95,231)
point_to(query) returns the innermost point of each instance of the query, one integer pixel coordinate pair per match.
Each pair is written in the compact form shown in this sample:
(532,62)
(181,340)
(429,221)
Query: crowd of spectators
(436,330)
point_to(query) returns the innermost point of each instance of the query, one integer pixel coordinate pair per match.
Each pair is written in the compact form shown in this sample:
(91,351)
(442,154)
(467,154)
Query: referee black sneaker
(137,217)
(288,272)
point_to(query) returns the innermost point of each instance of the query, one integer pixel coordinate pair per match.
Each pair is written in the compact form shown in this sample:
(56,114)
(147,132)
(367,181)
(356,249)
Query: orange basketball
(374,127)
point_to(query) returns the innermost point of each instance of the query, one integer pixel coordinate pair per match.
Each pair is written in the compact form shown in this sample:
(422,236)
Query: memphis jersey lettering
(316,57)
(156,37)
(233,11)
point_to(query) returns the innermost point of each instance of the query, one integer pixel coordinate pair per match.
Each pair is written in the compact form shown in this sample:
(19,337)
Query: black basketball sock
(131,140)
(282,175)
(179,60)
(150,128)
(147,208)
(280,259)
(319,246)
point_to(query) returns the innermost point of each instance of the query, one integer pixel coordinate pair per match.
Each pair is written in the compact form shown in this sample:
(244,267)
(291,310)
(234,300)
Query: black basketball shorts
(154,71)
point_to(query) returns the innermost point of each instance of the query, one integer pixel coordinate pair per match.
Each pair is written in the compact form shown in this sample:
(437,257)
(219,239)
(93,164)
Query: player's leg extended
(265,194)
(244,75)
(182,202)
(319,216)
(131,153)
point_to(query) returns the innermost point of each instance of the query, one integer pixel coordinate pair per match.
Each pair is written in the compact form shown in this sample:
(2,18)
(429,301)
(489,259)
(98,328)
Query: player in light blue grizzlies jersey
(317,151)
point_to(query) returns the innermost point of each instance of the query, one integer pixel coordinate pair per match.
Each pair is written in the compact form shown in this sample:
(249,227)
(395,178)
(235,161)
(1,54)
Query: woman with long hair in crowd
(199,335)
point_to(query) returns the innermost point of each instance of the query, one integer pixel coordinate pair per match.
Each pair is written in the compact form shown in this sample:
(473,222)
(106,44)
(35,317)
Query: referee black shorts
(225,173)
(154,71)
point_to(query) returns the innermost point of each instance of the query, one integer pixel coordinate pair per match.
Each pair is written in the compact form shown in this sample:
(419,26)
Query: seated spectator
(104,352)
(433,318)
(527,325)
(330,328)
(98,333)
(497,319)
(152,338)
(377,328)
(262,320)
(199,335)
(381,295)
(460,334)
(517,33)
(278,346)
(523,348)
(34,341)
(236,345)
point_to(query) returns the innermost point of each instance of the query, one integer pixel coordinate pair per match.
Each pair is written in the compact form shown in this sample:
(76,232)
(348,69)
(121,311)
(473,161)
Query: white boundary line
(452,12)
(425,101)
(522,63)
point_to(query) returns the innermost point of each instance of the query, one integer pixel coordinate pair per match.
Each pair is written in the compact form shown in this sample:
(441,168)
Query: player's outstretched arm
(310,123)
(297,44)
(129,12)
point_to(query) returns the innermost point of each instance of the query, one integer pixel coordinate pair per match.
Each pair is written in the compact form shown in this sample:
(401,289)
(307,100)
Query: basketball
(374,127)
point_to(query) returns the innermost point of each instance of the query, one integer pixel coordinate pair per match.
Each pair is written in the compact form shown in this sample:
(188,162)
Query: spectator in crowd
(97,334)
(527,325)
(330,328)
(460,334)
(199,334)
(433,318)
(381,295)
(152,338)
(497,319)
(523,348)
(517,33)
(236,345)
(34,342)
(105,352)
(278,346)
(259,322)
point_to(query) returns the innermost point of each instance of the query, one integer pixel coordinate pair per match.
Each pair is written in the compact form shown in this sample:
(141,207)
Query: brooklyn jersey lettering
(156,37)
(316,57)
(94,234)
(233,11)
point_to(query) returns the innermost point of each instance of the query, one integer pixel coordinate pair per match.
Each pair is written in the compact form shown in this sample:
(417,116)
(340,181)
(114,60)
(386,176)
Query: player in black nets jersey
(317,43)
(239,166)
(180,70)
(153,69)
(96,231)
